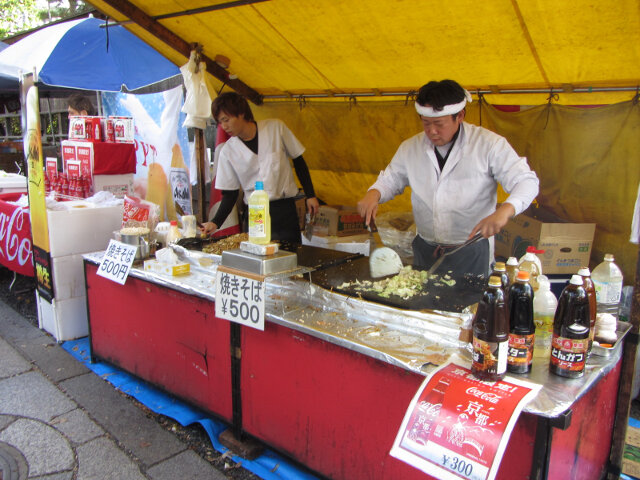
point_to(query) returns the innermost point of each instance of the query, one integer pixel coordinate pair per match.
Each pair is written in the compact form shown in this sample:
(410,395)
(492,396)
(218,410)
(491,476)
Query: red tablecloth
(15,236)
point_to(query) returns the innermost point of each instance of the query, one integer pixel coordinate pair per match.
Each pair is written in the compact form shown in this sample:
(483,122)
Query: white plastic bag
(197,104)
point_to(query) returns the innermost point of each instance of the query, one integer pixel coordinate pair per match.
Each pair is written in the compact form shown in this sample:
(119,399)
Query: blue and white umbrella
(84,54)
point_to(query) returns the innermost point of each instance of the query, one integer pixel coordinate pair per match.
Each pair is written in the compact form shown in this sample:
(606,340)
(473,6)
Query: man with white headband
(453,169)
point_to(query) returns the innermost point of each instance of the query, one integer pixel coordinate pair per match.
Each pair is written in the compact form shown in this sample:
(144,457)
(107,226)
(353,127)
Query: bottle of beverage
(426,413)
(531,263)
(259,218)
(512,269)
(591,295)
(544,309)
(173,235)
(490,334)
(570,331)
(500,270)
(521,327)
(607,279)
(64,186)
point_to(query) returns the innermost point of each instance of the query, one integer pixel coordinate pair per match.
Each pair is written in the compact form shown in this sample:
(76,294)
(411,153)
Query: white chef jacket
(448,204)
(239,167)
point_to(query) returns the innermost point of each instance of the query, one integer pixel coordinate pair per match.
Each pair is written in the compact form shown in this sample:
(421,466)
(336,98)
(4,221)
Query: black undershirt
(443,160)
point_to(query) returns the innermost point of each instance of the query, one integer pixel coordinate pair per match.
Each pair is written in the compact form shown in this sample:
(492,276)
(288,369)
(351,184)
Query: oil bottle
(259,218)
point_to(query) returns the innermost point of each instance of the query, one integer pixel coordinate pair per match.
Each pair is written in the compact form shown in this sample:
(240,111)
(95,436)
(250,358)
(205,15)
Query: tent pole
(201,202)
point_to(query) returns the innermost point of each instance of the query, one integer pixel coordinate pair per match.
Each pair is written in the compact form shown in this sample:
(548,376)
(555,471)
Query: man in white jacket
(453,169)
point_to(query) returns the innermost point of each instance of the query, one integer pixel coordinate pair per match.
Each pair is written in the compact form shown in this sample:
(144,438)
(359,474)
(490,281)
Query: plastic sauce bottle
(570,331)
(259,218)
(173,235)
(591,295)
(512,269)
(491,334)
(544,309)
(500,271)
(521,327)
(531,263)
(607,278)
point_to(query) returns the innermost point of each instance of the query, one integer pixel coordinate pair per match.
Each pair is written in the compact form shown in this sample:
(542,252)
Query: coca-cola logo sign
(15,238)
(482,395)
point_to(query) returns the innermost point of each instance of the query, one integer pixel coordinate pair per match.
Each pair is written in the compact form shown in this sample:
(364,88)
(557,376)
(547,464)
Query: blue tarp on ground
(269,466)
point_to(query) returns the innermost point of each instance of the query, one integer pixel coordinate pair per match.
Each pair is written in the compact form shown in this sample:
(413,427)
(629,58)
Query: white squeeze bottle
(544,309)
(607,278)
(532,264)
(259,218)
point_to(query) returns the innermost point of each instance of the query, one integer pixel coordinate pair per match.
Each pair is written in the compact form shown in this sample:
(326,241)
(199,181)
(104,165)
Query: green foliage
(17,16)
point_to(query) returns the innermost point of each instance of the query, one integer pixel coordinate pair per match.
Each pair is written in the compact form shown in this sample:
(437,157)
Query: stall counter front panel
(334,409)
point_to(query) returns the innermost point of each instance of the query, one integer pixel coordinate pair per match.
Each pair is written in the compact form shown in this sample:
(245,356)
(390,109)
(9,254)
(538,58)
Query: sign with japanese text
(458,426)
(117,260)
(240,297)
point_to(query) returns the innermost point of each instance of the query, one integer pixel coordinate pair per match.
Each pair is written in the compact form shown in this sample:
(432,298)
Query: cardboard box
(338,220)
(167,269)
(64,319)
(119,185)
(567,246)
(83,228)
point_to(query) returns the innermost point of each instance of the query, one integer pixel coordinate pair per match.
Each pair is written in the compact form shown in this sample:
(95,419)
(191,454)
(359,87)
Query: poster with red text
(458,426)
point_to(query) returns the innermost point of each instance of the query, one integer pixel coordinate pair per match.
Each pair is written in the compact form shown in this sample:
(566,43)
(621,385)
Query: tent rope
(411,95)
(302,102)
(481,100)
(552,96)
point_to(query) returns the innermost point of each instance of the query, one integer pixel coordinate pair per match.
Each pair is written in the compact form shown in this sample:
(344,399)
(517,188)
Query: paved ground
(60,421)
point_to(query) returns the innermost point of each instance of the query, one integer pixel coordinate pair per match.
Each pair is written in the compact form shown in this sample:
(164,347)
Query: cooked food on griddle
(406,284)
(229,243)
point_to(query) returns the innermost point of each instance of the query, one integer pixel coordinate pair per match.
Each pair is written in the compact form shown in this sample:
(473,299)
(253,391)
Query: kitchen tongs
(473,239)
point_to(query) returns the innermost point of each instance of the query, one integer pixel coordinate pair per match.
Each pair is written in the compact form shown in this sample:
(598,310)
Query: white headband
(450,109)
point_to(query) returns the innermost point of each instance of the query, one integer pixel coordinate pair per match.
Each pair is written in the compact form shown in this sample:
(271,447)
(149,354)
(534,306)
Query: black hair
(440,94)
(232,104)
(79,102)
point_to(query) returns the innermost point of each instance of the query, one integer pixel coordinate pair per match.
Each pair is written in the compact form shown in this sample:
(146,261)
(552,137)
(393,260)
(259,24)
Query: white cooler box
(13,183)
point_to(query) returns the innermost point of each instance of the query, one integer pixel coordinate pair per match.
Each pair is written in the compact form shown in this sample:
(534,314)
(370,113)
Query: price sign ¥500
(117,260)
(240,297)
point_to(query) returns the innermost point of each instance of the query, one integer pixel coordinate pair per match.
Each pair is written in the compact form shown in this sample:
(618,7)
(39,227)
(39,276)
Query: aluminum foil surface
(414,340)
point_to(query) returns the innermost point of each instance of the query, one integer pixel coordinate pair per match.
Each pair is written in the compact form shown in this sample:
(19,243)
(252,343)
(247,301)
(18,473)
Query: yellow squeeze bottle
(259,218)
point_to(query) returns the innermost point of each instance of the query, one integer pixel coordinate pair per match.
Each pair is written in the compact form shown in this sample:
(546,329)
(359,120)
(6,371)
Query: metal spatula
(473,239)
(308,228)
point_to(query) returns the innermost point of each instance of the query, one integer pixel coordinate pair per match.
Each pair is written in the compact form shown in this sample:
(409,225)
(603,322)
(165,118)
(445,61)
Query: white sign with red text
(458,426)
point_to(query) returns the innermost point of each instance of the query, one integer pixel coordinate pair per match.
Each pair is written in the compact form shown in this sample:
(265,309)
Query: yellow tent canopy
(285,48)
(341,74)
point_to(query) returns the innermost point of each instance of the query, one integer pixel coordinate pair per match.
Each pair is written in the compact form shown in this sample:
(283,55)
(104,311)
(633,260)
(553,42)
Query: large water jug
(607,278)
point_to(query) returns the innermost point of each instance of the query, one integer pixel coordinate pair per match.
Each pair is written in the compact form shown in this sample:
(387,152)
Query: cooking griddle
(467,290)
(318,258)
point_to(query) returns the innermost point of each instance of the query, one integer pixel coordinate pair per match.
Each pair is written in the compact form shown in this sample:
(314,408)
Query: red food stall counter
(332,409)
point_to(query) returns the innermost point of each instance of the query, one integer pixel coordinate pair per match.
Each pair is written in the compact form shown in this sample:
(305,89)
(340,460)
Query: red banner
(458,426)
(15,236)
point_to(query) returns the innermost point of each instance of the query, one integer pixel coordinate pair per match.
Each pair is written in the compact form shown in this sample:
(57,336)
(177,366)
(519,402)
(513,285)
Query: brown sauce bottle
(570,339)
(522,329)
(491,333)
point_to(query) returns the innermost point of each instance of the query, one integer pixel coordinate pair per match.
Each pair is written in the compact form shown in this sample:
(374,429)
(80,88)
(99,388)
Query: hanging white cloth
(197,103)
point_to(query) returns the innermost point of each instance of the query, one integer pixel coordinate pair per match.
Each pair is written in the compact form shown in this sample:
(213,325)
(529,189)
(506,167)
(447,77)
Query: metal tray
(621,330)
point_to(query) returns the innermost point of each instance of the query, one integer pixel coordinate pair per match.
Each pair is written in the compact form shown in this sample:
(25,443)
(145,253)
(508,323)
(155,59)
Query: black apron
(472,259)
